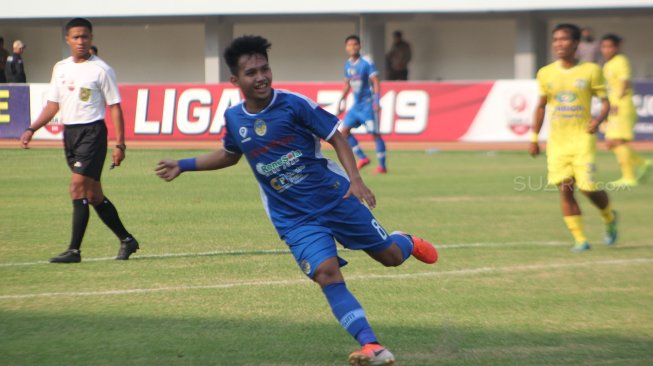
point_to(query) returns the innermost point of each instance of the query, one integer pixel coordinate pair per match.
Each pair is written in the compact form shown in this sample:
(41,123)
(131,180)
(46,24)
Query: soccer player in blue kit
(310,200)
(361,78)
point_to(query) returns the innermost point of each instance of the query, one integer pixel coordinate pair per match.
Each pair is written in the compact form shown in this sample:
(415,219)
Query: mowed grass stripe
(285,251)
(459,272)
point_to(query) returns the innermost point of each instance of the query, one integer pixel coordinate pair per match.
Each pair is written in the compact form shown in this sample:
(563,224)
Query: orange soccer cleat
(423,250)
(362,163)
(371,354)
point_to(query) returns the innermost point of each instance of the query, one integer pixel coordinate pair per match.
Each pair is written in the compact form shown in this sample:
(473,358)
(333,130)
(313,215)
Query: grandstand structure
(173,42)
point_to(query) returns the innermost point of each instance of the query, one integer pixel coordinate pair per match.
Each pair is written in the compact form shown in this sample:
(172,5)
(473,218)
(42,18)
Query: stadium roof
(32,9)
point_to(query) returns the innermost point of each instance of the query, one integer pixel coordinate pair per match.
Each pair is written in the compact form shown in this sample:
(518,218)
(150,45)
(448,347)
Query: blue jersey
(282,146)
(358,73)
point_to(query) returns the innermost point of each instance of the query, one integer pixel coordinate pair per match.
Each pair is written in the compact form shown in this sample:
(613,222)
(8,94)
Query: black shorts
(86,148)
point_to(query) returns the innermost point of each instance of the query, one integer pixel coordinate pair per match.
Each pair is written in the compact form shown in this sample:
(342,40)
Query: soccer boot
(582,247)
(611,232)
(422,249)
(69,256)
(371,354)
(127,247)
(362,163)
(380,170)
(644,171)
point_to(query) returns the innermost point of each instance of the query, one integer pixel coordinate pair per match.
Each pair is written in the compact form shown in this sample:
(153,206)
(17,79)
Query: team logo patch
(78,164)
(84,94)
(566,97)
(305,266)
(260,127)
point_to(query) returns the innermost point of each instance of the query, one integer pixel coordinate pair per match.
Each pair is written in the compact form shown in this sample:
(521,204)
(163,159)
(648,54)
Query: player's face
(353,48)
(254,78)
(608,49)
(564,47)
(79,40)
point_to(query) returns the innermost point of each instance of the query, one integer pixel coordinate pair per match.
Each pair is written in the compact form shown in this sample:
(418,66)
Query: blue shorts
(350,223)
(362,114)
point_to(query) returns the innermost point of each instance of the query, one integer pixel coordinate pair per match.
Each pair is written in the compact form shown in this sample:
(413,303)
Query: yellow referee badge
(84,94)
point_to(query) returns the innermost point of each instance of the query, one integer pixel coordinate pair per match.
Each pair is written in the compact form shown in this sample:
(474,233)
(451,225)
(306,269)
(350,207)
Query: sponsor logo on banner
(14,110)
(643,100)
(519,111)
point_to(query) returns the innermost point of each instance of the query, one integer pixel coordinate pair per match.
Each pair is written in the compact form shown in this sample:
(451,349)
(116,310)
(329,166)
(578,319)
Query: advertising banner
(495,111)
(14,110)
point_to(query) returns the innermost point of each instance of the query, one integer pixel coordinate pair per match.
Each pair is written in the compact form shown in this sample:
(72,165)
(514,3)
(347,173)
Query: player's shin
(80,221)
(349,312)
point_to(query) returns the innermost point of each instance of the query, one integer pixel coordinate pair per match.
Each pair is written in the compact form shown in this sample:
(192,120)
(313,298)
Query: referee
(80,88)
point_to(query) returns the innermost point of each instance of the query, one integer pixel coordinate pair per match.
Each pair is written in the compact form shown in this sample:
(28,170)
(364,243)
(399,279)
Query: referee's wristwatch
(122,147)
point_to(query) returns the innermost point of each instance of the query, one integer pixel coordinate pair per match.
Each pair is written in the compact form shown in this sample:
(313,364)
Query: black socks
(80,221)
(109,215)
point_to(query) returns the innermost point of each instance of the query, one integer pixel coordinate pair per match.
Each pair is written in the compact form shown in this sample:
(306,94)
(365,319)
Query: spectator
(398,58)
(93,50)
(4,54)
(14,68)
(589,48)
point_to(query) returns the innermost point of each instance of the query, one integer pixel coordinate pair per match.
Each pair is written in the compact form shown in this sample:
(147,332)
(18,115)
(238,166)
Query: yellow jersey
(616,72)
(569,99)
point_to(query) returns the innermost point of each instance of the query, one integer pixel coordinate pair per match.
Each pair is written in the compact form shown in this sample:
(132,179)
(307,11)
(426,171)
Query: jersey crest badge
(84,94)
(260,127)
(305,266)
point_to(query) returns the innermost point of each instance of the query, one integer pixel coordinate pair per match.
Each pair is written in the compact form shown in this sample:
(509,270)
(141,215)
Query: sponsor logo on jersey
(243,133)
(581,83)
(276,166)
(84,94)
(566,97)
(260,127)
(288,179)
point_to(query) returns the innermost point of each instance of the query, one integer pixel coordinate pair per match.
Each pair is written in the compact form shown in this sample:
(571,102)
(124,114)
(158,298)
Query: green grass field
(214,285)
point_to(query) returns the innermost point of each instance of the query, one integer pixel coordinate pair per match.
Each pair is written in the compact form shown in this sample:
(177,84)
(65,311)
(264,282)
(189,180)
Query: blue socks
(354,146)
(349,313)
(380,151)
(404,242)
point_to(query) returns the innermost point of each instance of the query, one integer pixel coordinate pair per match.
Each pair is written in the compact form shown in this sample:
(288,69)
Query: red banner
(409,111)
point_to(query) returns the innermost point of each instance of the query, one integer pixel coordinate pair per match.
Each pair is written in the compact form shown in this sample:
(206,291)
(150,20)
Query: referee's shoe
(69,256)
(127,247)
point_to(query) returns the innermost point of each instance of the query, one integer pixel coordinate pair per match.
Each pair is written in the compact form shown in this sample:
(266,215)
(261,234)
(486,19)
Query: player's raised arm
(169,169)
(357,187)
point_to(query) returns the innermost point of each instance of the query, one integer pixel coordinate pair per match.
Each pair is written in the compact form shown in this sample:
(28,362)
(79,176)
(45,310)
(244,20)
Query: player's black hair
(245,45)
(79,22)
(615,39)
(573,29)
(353,36)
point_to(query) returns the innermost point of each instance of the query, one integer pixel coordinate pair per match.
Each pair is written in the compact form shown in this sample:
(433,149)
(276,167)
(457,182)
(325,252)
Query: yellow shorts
(621,121)
(579,166)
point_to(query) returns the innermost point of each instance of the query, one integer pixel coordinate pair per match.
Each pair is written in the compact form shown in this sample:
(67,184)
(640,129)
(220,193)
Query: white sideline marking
(282,251)
(459,272)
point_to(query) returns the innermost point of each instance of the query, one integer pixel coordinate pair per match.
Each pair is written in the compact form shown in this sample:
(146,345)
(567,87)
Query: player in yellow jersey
(567,86)
(622,117)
